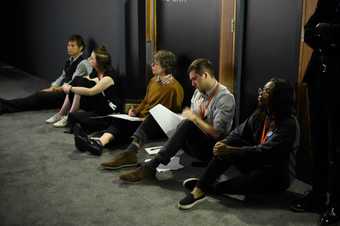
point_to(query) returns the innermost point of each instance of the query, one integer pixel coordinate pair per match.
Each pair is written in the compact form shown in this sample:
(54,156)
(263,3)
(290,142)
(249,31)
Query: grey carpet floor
(45,181)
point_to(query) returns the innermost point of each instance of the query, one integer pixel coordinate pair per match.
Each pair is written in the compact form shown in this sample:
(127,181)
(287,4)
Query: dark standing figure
(322,33)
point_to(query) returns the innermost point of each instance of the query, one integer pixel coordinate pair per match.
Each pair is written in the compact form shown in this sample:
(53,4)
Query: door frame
(227,41)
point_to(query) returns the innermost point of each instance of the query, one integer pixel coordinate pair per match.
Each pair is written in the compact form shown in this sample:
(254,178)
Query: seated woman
(259,148)
(162,88)
(99,96)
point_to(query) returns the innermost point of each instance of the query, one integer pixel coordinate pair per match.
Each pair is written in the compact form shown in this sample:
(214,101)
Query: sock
(153,163)
(99,143)
(135,145)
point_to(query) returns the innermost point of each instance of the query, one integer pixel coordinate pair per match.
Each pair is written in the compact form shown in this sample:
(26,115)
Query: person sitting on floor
(52,97)
(99,96)
(163,89)
(208,120)
(260,148)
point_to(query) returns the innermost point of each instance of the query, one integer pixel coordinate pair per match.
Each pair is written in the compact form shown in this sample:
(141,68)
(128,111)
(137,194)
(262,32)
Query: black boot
(83,143)
(5,108)
(330,217)
(309,203)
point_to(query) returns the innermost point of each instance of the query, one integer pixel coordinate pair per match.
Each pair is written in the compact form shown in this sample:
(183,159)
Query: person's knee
(72,118)
(186,124)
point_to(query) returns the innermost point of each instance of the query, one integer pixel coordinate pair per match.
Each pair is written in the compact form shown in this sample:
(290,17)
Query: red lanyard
(204,107)
(266,133)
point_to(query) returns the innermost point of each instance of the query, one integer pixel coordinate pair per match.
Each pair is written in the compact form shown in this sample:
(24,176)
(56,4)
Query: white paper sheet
(126,117)
(153,150)
(166,119)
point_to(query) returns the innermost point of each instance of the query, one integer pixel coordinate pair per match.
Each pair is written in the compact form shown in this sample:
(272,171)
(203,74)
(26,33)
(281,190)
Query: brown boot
(138,174)
(122,160)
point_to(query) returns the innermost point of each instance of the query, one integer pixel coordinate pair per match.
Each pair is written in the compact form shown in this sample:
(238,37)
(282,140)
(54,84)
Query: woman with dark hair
(259,148)
(98,96)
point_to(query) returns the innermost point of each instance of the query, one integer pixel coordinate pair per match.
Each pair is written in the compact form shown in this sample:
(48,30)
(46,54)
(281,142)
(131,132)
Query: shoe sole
(51,122)
(119,167)
(189,206)
(297,210)
(188,180)
(237,197)
(332,224)
(59,126)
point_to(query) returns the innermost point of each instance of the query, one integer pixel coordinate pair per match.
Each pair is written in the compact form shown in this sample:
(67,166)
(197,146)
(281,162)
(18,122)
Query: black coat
(322,34)
(273,155)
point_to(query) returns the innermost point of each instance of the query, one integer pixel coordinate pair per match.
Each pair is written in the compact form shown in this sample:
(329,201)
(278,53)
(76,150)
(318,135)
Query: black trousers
(37,101)
(324,113)
(255,179)
(146,130)
(149,130)
(191,139)
(121,129)
(90,121)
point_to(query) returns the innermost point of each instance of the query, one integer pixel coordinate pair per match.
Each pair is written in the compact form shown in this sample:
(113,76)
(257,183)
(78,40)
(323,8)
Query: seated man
(209,119)
(163,89)
(259,148)
(53,96)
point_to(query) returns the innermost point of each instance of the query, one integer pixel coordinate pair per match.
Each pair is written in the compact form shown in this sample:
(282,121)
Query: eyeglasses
(263,90)
(154,63)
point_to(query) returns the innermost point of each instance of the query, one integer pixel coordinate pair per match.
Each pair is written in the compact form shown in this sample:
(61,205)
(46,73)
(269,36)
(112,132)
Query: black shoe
(309,203)
(190,183)
(189,201)
(5,107)
(80,138)
(331,217)
(1,108)
(77,130)
(83,143)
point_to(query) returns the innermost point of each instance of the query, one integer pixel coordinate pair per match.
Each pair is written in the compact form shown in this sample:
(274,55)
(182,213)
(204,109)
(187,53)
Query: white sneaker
(61,123)
(55,118)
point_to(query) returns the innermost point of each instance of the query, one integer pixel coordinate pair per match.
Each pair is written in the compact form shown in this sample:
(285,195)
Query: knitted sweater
(168,94)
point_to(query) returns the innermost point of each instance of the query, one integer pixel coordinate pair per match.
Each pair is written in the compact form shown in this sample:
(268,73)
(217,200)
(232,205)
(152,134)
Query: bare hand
(50,89)
(132,112)
(189,114)
(66,88)
(222,149)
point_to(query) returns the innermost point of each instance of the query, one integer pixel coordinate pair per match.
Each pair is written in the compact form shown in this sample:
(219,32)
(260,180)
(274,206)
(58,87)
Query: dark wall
(135,49)
(42,28)
(189,28)
(35,41)
(271,46)
(10,39)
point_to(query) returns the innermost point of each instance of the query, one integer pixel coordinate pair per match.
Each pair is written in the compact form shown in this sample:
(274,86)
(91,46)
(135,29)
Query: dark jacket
(70,68)
(273,155)
(323,39)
